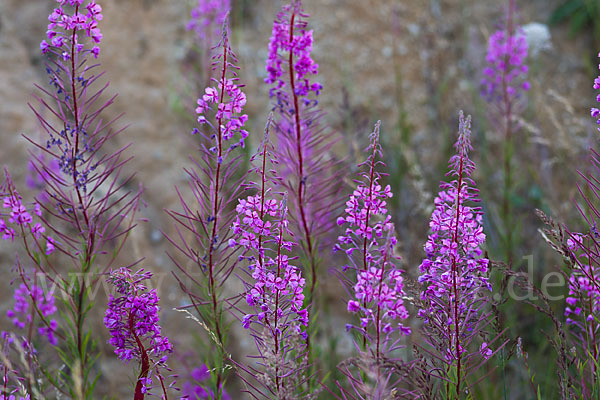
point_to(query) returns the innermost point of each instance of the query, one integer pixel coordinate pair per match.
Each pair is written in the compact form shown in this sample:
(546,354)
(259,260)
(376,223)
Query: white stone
(538,37)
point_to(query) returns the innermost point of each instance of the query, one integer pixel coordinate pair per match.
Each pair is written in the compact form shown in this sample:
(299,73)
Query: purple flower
(454,274)
(307,172)
(275,287)
(68,22)
(133,323)
(368,241)
(194,387)
(227,102)
(374,281)
(506,73)
(584,285)
(207,19)
(595,111)
(43,303)
(289,35)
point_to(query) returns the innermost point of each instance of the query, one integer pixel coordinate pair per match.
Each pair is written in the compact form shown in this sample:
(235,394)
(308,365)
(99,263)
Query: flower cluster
(595,111)
(225,110)
(380,290)
(43,303)
(274,287)
(133,323)
(454,268)
(583,301)
(369,242)
(250,224)
(207,18)
(228,100)
(366,215)
(193,389)
(132,317)
(454,274)
(64,28)
(290,37)
(506,73)
(278,285)
(21,219)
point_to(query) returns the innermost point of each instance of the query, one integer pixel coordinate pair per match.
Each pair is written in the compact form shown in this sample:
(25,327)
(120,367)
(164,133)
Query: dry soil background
(379,59)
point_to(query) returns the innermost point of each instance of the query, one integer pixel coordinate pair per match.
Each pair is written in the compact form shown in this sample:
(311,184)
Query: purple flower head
(226,100)
(30,303)
(68,23)
(504,81)
(595,111)
(506,71)
(207,19)
(17,220)
(195,386)
(373,280)
(274,286)
(583,301)
(454,274)
(277,290)
(133,323)
(369,242)
(291,39)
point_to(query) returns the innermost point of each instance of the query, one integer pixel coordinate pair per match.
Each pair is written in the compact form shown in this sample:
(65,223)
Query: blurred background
(413,64)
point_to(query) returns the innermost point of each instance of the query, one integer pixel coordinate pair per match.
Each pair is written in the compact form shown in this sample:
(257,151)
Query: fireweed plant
(454,279)
(133,322)
(582,309)
(374,282)
(206,22)
(274,287)
(503,85)
(302,145)
(86,211)
(71,234)
(204,223)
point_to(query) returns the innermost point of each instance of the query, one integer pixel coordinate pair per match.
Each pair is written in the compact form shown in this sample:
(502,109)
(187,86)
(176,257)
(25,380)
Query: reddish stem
(211,266)
(91,233)
(365,266)
(145,362)
(300,190)
(455,272)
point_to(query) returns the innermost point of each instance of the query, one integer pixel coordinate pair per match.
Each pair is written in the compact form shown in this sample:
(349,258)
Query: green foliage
(580,14)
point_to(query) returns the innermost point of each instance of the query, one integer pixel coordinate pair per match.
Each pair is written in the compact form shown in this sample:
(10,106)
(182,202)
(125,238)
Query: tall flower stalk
(504,85)
(454,277)
(375,282)
(274,287)
(582,308)
(302,146)
(203,225)
(88,209)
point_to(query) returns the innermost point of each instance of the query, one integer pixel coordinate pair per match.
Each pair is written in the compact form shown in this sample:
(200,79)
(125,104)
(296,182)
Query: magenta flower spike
(504,86)
(307,169)
(504,81)
(454,274)
(204,224)
(582,309)
(31,301)
(274,286)
(87,208)
(133,323)
(374,281)
(207,18)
